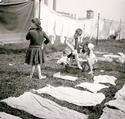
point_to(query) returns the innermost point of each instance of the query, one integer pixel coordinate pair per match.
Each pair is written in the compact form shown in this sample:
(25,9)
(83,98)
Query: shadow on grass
(11,51)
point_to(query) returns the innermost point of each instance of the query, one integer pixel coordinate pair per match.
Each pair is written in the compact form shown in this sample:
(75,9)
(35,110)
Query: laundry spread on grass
(65,77)
(109,113)
(93,87)
(4,115)
(72,95)
(121,93)
(105,79)
(42,107)
(118,103)
(110,57)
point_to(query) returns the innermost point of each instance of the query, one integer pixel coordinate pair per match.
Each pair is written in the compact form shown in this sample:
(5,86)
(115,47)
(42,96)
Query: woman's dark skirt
(35,55)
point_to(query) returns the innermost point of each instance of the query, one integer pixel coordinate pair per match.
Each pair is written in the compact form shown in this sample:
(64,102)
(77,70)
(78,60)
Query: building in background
(89,14)
(50,3)
(12,1)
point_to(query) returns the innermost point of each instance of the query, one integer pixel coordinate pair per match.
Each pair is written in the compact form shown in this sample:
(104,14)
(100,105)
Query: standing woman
(35,55)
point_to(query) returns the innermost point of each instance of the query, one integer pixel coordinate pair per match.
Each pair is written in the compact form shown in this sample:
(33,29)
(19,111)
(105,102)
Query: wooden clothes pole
(98,29)
(120,29)
(36,8)
(39,8)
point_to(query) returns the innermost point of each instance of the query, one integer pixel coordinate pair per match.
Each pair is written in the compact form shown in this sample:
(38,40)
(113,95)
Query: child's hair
(64,52)
(79,31)
(85,48)
(36,21)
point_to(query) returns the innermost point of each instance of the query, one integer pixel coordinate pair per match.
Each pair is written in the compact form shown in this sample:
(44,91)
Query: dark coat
(35,54)
(37,37)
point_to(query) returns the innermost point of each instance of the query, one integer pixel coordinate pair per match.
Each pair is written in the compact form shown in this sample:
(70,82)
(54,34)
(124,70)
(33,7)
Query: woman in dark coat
(35,55)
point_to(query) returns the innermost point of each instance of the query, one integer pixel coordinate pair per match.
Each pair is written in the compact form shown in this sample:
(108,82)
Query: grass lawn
(14,81)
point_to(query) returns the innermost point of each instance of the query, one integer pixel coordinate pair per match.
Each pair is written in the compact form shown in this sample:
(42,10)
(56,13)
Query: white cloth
(100,53)
(121,93)
(65,77)
(106,59)
(64,26)
(91,46)
(36,9)
(105,79)
(121,58)
(109,113)
(118,103)
(92,59)
(4,115)
(109,57)
(42,108)
(62,60)
(93,87)
(74,96)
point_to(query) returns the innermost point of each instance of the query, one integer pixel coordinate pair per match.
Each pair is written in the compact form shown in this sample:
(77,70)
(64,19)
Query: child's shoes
(42,77)
(29,77)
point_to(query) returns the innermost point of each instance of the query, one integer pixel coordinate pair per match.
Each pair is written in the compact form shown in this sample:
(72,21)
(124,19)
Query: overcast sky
(109,9)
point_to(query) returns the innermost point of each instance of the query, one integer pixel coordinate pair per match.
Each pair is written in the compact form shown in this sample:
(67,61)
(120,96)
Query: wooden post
(39,8)
(98,29)
(120,29)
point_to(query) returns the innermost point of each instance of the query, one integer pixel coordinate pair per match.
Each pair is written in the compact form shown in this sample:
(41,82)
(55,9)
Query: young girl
(87,51)
(74,46)
(35,55)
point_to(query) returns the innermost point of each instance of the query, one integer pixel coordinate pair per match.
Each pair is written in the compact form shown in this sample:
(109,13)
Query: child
(34,55)
(87,51)
(74,46)
(63,60)
(87,55)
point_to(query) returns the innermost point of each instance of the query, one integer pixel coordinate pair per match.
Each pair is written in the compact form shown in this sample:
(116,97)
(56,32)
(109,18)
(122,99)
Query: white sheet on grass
(105,79)
(109,113)
(62,60)
(100,53)
(74,96)
(42,108)
(121,93)
(65,77)
(93,87)
(106,59)
(118,103)
(121,58)
(4,115)
(110,57)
